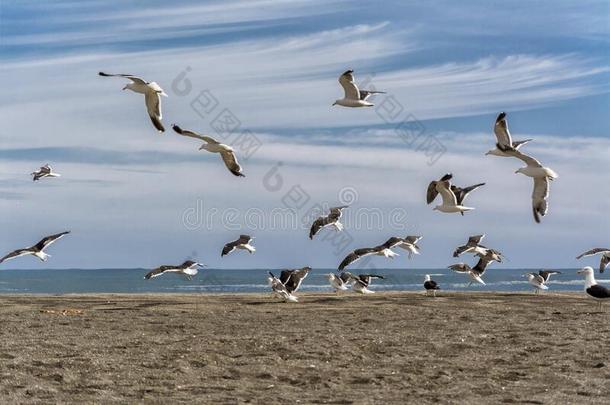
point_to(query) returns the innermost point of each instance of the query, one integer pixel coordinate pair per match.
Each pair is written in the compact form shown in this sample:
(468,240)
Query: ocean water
(255,280)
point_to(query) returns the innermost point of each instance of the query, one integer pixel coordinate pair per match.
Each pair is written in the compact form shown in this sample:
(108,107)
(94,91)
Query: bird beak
(579,272)
(517,171)
(335,103)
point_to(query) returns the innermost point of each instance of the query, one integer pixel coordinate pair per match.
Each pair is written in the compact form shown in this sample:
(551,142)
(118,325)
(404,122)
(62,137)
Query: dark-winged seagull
(475,273)
(594,290)
(280,289)
(337,282)
(384,249)
(242,243)
(504,141)
(430,285)
(539,280)
(212,145)
(152,92)
(36,250)
(293,278)
(604,260)
(326,220)
(472,246)
(44,171)
(188,269)
(361,282)
(452,196)
(354,97)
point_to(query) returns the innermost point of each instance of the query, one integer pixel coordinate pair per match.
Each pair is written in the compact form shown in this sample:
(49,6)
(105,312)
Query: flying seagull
(384,249)
(538,280)
(152,92)
(542,176)
(353,97)
(331,219)
(44,171)
(188,268)
(361,282)
(475,273)
(409,244)
(212,145)
(430,285)
(293,278)
(336,282)
(504,141)
(36,250)
(605,257)
(472,246)
(242,243)
(280,289)
(452,196)
(594,290)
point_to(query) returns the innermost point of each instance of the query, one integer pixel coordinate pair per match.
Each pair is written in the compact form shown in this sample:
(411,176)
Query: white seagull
(538,280)
(452,196)
(152,92)
(188,269)
(336,282)
(353,97)
(332,219)
(504,140)
(430,285)
(36,250)
(280,289)
(605,257)
(472,246)
(594,290)
(542,176)
(212,145)
(44,171)
(384,250)
(242,243)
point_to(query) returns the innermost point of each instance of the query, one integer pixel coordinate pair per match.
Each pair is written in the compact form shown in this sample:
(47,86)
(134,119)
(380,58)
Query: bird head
(585,270)
(427,278)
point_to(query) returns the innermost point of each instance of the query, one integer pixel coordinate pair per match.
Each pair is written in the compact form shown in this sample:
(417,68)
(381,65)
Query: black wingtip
(238,174)
(501,116)
(177,128)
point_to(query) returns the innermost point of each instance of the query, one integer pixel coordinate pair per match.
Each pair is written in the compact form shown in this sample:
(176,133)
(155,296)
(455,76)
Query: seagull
(337,282)
(475,273)
(452,196)
(242,243)
(188,268)
(472,246)
(594,290)
(605,257)
(504,140)
(361,282)
(36,250)
(430,285)
(326,220)
(354,97)
(44,171)
(541,175)
(212,145)
(152,92)
(280,289)
(293,278)
(539,279)
(410,245)
(384,249)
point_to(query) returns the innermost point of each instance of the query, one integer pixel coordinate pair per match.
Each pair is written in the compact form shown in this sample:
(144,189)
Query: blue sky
(129,194)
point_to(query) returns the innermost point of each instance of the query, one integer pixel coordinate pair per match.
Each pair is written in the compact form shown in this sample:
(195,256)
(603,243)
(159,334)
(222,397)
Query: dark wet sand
(383,348)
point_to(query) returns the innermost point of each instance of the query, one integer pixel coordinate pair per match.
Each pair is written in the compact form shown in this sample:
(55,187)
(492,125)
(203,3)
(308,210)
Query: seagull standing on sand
(336,282)
(44,171)
(384,250)
(327,220)
(594,290)
(353,97)
(504,140)
(605,257)
(36,250)
(212,145)
(152,92)
(242,243)
(539,279)
(452,196)
(430,285)
(280,289)
(475,273)
(472,246)
(188,269)
(293,278)
(542,176)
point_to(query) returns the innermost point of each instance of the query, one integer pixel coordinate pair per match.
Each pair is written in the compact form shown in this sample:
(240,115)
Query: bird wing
(295,278)
(153,106)
(16,253)
(502,133)
(44,242)
(229,247)
(603,263)
(192,134)
(133,78)
(530,161)
(336,212)
(244,239)
(364,94)
(158,271)
(462,193)
(285,275)
(518,144)
(355,255)
(317,225)
(539,196)
(461,249)
(460,267)
(593,252)
(546,274)
(231,162)
(412,239)
(475,239)
(349,87)
(444,188)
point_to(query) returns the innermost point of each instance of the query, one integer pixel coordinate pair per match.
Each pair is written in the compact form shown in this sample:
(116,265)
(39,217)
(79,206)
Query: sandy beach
(383,348)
